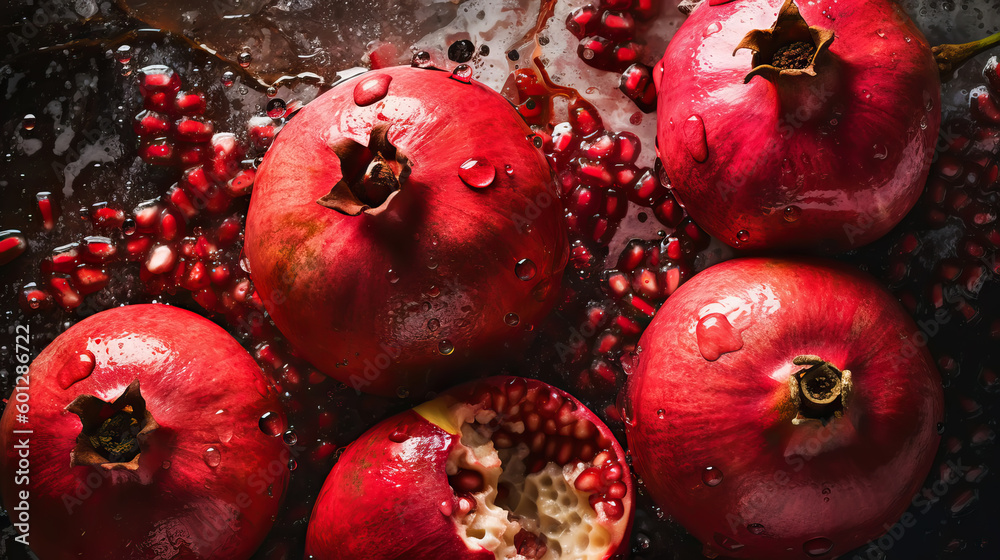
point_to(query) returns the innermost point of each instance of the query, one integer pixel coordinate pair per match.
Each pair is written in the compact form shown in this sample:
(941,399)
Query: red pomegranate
(137,434)
(403,224)
(783,409)
(804,125)
(504,468)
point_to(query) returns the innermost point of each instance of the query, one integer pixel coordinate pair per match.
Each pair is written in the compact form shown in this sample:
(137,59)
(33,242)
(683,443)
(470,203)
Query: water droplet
(509,169)
(398,436)
(462,73)
(421,59)
(244,58)
(433,325)
(402,392)
(711,476)
(225,433)
(826,491)
(881,152)
(76,369)
(372,89)
(477,173)
(391,276)
(712,29)
(426,306)
(290,437)
(693,134)
(880,33)
(727,543)
(511,319)
(270,423)
(126,70)
(923,123)
(228,78)
(792,213)
(743,236)
(716,336)
(128,226)
(907,39)
(661,414)
(28,122)
(525,269)
(446,508)
(445,347)
(212,457)
(940,428)
(165,465)
(124,54)
(817,547)
(245,264)
(755,528)
(292,465)
(276,108)
(536,141)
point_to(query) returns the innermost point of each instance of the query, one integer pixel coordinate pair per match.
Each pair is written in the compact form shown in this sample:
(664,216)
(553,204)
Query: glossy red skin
(188,369)
(886,88)
(324,276)
(734,414)
(382,500)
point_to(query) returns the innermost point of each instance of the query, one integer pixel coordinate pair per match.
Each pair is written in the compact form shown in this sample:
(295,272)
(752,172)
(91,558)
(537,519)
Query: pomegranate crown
(790,48)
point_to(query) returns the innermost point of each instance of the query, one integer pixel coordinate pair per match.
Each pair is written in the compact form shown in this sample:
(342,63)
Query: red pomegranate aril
(668,211)
(466,481)
(12,245)
(949,167)
(617,26)
(673,249)
(632,256)
(170,227)
(983,106)
(647,190)
(262,134)
(158,152)
(241,184)
(644,282)
(220,275)
(229,231)
(90,279)
(626,54)
(136,249)
(583,118)
(583,21)
(107,218)
(191,129)
(196,278)
(615,206)
(151,123)
(147,215)
(226,156)
(34,299)
(182,202)
(627,147)
(637,84)
(600,147)
(618,284)
(46,210)
(99,249)
(189,103)
(157,79)
(639,304)
(627,325)
(161,259)
(206,298)
(595,50)
(593,173)
(65,294)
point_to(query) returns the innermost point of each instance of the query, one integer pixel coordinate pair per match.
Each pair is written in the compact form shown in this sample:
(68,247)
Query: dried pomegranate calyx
(819,391)
(370,175)
(112,433)
(790,48)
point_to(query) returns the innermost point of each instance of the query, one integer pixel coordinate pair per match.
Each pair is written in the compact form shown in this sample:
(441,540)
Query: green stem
(950,57)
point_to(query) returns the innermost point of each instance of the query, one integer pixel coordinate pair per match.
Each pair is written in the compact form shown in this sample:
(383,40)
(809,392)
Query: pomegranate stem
(950,57)
(820,389)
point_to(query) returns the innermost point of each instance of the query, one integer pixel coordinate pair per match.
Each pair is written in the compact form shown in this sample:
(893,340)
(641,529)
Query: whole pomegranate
(783,409)
(402,224)
(505,468)
(816,133)
(140,437)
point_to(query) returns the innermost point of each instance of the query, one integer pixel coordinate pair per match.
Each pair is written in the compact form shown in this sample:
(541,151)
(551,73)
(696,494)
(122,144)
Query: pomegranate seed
(12,245)
(65,294)
(90,279)
(158,152)
(241,184)
(99,249)
(583,21)
(136,249)
(226,155)
(47,211)
(107,218)
(192,154)
(182,202)
(466,481)
(192,129)
(617,26)
(583,118)
(189,103)
(161,259)
(154,79)
(151,123)
(34,299)
(637,84)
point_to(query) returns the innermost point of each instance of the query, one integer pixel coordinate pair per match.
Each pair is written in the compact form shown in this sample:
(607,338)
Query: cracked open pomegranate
(783,409)
(402,225)
(504,468)
(806,125)
(143,437)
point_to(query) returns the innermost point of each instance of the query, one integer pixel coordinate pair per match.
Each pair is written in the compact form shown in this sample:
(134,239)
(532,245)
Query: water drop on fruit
(661,414)
(270,424)
(511,319)
(792,213)
(398,437)
(716,336)
(477,173)
(817,547)
(128,226)
(711,476)
(402,392)
(445,347)
(212,457)
(244,58)
(28,122)
(755,528)
(446,508)
(880,33)
(165,465)
(433,325)
(693,133)
(290,437)
(292,465)
(228,78)
(461,51)
(276,108)
(940,427)
(371,89)
(76,369)
(525,269)
(743,236)
(462,73)
(712,29)
(421,59)
(509,169)
(124,54)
